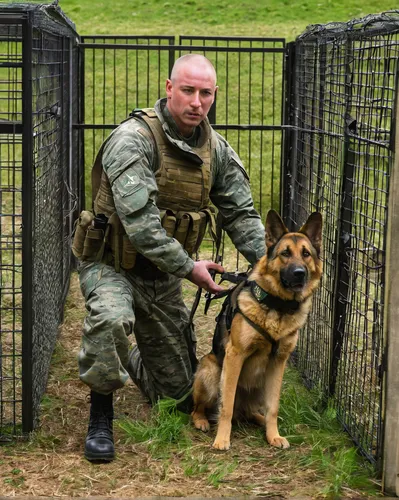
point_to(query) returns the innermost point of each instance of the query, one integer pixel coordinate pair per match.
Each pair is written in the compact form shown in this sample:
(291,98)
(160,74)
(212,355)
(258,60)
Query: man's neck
(188,136)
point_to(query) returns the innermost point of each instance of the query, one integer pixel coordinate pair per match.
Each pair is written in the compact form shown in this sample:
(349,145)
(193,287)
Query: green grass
(279,18)
(317,443)
(166,426)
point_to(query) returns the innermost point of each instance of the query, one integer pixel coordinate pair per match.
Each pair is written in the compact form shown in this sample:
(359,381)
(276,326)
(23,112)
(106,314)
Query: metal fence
(38,198)
(342,87)
(119,73)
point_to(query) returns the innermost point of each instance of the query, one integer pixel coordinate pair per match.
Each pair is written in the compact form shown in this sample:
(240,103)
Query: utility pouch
(192,237)
(81,225)
(128,253)
(211,219)
(169,223)
(114,240)
(202,229)
(93,244)
(183,225)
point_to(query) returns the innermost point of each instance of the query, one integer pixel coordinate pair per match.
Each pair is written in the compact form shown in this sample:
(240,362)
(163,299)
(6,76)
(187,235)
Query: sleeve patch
(130,193)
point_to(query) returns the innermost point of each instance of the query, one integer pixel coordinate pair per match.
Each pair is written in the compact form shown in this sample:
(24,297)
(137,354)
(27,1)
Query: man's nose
(195,101)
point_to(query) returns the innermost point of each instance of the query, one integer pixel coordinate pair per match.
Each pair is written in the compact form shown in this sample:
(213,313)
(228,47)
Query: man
(159,171)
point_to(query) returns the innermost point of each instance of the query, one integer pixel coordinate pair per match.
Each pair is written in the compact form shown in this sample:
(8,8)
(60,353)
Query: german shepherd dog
(245,369)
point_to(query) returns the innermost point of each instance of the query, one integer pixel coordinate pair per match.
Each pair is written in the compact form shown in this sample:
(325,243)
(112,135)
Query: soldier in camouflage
(146,298)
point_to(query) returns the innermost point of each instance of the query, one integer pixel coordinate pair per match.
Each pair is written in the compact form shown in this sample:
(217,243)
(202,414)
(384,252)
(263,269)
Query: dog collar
(271,301)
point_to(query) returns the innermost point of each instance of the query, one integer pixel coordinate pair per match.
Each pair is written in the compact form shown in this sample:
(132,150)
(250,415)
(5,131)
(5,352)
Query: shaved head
(192,60)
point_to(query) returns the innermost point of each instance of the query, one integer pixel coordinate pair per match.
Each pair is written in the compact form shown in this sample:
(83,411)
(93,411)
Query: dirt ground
(51,463)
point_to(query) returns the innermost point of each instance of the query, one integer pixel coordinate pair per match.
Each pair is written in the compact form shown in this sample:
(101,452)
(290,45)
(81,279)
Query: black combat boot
(100,440)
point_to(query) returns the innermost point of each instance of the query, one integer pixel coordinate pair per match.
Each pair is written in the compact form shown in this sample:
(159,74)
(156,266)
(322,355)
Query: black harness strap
(264,333)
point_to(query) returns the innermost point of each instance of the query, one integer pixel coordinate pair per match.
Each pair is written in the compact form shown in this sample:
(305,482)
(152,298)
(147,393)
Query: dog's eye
(305,253)
(285,253)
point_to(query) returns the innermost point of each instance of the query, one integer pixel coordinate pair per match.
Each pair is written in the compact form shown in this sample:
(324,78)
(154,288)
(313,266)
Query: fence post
(81,131)
(390,475)
(286,180)
(27,227)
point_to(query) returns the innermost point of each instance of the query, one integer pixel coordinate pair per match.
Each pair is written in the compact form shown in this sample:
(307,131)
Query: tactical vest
(183,182)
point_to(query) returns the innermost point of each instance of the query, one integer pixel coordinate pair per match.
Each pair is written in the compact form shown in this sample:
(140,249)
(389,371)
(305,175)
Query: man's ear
(168,88)
(275,228)
(313,230)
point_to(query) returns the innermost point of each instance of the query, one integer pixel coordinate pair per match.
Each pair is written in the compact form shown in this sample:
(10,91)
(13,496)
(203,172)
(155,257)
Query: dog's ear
(313,230)
(275,228)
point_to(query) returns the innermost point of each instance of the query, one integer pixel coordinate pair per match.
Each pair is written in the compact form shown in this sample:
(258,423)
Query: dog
(245,368)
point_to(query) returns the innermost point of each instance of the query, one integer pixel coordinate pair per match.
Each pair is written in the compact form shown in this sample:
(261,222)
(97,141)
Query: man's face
(190,96)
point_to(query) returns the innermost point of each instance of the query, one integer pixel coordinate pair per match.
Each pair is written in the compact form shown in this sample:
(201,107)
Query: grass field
(227,17)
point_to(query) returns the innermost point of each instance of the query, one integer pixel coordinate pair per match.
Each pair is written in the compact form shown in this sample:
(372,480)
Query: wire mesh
(342,115)
(10,229)
(38,198)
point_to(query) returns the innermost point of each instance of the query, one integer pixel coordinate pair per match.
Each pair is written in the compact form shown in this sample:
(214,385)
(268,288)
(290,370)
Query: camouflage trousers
(119,304)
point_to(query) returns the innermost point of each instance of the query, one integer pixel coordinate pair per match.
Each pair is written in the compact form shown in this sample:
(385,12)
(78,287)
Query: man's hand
(200,275)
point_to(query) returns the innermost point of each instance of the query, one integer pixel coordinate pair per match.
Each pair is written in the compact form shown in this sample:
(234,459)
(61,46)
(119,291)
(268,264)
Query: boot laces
(100,425)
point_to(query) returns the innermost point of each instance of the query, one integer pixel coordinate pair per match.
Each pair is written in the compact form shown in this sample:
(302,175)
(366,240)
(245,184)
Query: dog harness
(230,308)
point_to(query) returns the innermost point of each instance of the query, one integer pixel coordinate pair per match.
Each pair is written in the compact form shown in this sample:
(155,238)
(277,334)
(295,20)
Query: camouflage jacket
(130,161)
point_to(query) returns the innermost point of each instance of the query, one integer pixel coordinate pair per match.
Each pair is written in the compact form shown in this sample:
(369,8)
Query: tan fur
(249,383)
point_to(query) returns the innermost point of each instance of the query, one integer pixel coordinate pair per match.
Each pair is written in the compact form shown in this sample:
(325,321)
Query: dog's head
(293,259)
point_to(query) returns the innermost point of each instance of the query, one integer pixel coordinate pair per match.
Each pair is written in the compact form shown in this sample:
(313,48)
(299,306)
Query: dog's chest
(253,372)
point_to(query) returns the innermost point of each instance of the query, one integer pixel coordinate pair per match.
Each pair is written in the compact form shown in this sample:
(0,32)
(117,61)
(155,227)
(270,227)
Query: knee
(111,317)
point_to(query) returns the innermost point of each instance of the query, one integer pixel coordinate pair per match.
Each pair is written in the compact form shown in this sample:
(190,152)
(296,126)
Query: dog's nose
(299,273)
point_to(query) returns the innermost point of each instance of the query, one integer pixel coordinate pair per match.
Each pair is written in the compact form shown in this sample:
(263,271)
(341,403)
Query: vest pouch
(169,223)
(201,231)
(183,226)
(192,236)
(93,244)
(114,239)
(128,253)
(211,219)
(81,225)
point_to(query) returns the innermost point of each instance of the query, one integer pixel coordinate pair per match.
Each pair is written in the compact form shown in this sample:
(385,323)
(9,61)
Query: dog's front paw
(279,442)
(221,444)
(202,424)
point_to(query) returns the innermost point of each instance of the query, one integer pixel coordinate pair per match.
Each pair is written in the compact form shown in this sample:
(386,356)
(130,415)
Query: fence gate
(119,73)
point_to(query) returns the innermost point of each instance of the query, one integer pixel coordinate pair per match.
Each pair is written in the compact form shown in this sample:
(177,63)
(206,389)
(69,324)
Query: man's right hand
(200,275)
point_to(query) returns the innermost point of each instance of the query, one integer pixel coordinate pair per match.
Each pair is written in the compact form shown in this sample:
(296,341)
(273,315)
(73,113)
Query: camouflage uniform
(119,304)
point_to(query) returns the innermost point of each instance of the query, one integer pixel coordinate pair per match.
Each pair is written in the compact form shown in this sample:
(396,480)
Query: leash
(235,278)
(217,237)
